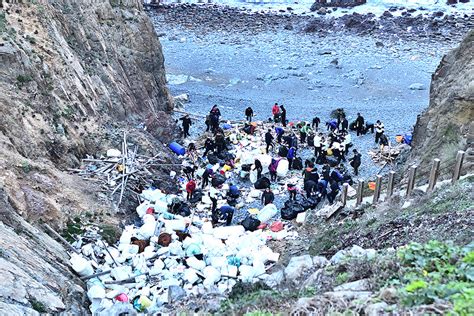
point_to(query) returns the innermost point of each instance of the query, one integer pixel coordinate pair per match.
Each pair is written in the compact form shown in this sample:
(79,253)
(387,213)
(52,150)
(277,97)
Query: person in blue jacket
(234,191)
(290,156)
(227,213)
(279,131)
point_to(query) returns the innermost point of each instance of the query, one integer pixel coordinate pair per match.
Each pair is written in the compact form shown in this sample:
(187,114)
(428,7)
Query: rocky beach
(379,66)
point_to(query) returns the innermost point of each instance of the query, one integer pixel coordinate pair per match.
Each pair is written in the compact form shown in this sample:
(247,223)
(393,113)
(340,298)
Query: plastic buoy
(177,148)
(372,186)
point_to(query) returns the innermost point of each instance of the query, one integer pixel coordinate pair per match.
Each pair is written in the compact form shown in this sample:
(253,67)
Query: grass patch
(38,306)
(23,80)
(110,233)
(73,228)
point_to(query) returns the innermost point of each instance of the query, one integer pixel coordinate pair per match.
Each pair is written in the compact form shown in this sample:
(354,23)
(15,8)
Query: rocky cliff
(447,125)
(73,76)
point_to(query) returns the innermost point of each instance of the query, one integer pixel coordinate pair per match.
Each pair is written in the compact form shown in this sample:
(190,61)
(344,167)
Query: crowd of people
(323,173)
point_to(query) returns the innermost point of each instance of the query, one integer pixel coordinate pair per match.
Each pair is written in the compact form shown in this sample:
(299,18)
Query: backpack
(298,163)
(250,223)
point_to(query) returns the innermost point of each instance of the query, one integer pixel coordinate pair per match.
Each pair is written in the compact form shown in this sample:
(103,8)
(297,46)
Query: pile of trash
(174,251)
(169,257)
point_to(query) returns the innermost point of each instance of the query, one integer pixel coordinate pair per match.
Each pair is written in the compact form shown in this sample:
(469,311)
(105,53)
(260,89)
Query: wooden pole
(457,168)
(378,188)
(411,180)
(390,186)
(64,241)
(434,174)
(360,190)
(345,188)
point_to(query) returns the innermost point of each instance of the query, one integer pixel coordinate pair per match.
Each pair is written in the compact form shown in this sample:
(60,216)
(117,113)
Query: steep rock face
(446,126)
(73,76)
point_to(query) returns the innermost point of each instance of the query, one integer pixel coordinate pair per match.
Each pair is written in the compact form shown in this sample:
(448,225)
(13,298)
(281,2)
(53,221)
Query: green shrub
(437,271)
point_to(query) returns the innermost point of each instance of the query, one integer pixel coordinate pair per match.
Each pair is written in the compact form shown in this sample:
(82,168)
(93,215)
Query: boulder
(320,262)
(347,295)
(297,265)
(275,279)
(359,285)
(375,309)
(417,86)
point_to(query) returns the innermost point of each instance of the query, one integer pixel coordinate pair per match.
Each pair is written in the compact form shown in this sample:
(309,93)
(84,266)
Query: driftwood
(64,241)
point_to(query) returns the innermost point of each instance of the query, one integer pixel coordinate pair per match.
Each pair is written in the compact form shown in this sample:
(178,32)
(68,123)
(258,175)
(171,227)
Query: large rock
(359,285)
(446,126)
(297,266)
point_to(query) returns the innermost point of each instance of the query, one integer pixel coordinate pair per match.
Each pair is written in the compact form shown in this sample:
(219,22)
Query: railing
(433,178)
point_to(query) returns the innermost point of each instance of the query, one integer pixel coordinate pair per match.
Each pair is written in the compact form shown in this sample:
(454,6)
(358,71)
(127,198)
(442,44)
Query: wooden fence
(412,172)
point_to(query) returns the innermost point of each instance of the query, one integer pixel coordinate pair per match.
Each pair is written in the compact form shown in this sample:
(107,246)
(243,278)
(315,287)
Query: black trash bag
(298,163)
(197,196)
(283,151)
(262,183)
(184,210)
(175,206)
(212,159)
(250,223)
(310,141)
(306,204)
(314,200)
(218,180)
(247,167)
(225,155)
(331,161)
(288,213)
(295,205)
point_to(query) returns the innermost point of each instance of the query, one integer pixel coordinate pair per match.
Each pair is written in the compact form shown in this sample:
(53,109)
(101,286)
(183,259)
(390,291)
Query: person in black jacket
(269,139)
(249,114)
(283,115)
(259,168)
(359,124)
(209,146)
(315,123)
(267,196)
(355,161)
(334,191)
(186,124)
(344,124)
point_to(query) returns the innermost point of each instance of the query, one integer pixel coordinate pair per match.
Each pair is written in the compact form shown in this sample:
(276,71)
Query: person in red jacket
(190,188)
(276,112)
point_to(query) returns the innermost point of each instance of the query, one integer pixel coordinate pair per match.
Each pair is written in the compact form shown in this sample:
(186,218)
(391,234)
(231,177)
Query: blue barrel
(177,148)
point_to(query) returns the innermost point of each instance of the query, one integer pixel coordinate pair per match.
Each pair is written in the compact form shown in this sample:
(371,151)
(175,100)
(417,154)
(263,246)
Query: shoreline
(395,24)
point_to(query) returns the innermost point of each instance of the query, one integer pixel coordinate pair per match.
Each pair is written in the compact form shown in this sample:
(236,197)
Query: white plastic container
(82,266)
(267,213)
(282,169)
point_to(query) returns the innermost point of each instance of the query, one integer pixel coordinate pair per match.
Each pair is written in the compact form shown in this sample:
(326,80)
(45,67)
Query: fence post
(360,191)
(345,188)
(411,180)
(378,187)
(391,182)
(434,174)
(458,166)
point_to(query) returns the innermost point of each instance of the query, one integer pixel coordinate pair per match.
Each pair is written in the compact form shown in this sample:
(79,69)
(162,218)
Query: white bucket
(82,266)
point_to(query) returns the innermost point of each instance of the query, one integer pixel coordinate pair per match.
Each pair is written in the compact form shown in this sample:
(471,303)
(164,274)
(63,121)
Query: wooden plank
(378,188)
(434,174)
(458,166)
(345,188)
(411,180)
(391,182)
(360,191)
(64,241)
